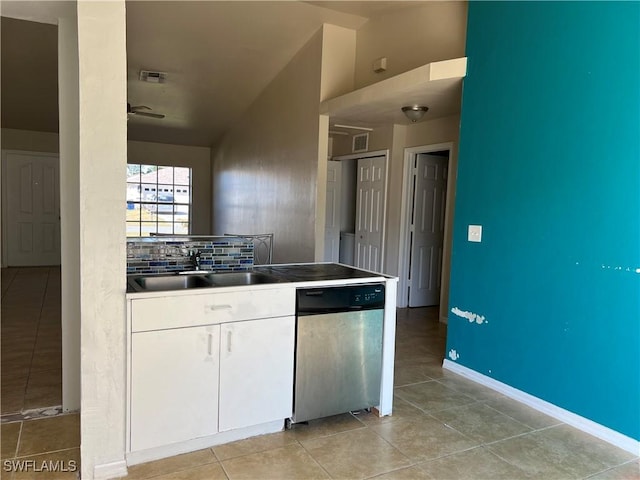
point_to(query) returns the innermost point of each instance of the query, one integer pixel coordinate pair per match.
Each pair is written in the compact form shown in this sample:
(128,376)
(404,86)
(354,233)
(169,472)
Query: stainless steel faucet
(194,255)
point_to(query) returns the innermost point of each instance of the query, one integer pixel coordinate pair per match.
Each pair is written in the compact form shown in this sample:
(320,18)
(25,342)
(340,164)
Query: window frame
(148,195)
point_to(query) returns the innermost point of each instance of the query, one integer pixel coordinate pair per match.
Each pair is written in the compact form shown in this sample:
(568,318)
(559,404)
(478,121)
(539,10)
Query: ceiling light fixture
(414,112)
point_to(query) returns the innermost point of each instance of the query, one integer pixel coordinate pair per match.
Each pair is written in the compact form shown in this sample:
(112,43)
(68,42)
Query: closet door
(370,208)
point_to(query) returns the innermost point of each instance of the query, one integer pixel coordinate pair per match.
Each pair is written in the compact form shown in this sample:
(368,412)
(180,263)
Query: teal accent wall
(549,165)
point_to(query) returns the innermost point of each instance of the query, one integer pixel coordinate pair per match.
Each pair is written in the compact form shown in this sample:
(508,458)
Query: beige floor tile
(44,389)
(45,378)
(211,471)
(475,464)
(22,314)
(172,464)
(401,410)
(407,375)
(628,471)
(49,434)
(53,339)
(13,382)
(253,445)
(289,462)
(10,432)
(11,402)
(355,454)
(431,367)
(60,465)
(324,426)
(469,388)
(481,422)
(46,360)
(13,345)
(433,396)
(40,397)
(16,360)
(559,452)
(424,438)
(410,473)
(11,375)
(49,331)
(522,413)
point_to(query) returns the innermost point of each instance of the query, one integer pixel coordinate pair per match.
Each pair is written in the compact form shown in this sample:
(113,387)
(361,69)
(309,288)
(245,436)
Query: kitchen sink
(168,282)
(228,279)
(196,279)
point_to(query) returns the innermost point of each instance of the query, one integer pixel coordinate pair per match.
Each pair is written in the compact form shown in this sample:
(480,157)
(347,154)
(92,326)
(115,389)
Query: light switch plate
(475,233)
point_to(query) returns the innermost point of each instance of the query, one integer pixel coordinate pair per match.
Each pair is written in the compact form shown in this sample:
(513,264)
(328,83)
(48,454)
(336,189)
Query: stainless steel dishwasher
(338,350)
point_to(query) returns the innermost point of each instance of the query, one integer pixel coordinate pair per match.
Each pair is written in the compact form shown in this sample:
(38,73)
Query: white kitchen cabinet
(210,308)
(256,371)
(174,385)
(181,366)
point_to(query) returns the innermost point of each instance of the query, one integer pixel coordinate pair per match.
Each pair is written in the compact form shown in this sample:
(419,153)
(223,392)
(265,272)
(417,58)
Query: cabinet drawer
(211,308)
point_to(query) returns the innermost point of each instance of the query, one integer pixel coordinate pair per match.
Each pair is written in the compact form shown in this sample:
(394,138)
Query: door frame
(329,258)
(4,200)
(376,153)
(405,221)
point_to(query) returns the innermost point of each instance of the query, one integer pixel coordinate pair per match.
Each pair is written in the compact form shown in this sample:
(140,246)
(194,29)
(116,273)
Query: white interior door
(427,227)
(333,208)
(370,208)
(33,209)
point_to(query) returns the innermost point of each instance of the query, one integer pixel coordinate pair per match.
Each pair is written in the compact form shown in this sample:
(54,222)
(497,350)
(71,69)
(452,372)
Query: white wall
(68,87)
(102,168)
(409,38)
(396,138)
(441,130)
(30,141)
(197,158)
(266,169)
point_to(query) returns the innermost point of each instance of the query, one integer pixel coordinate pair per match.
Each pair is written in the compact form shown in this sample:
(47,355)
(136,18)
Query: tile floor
(443,427)
(31,339)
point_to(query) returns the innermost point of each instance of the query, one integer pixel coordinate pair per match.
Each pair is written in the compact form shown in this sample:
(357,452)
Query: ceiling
(218,57)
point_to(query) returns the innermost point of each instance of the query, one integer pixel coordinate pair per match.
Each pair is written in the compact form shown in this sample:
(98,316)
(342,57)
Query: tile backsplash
(169,254)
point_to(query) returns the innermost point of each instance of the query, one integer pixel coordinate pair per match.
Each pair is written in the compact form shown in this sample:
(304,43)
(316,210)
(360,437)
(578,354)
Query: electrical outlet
(475,233)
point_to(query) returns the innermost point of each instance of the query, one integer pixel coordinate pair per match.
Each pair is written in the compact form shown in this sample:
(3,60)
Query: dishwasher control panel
(368,296)
(342,298)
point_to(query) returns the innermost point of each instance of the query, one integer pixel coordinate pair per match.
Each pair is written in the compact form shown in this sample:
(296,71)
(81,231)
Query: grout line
(47,452)
(314,459)
(533,429)
(19,439)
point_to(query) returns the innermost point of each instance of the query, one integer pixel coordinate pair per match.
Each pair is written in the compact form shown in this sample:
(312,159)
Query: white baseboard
(157,453)
(581,423)
(110,470)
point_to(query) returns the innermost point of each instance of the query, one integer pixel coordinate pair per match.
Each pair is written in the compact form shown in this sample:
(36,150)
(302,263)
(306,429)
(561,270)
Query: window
(152,205)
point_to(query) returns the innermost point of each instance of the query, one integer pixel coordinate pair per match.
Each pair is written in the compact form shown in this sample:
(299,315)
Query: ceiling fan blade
(147,114)
(137,108)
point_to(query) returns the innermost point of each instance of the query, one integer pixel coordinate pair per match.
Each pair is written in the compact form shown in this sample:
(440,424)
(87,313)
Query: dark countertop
(309,272)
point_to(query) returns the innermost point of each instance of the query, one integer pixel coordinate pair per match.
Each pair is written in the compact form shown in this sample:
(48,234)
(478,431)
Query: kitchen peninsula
(212,360)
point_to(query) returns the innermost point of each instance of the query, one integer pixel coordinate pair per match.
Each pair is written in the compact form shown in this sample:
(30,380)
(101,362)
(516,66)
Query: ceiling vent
(360,143)
(152,77)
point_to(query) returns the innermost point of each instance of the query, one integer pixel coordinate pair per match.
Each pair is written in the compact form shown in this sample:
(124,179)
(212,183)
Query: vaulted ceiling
(218,57)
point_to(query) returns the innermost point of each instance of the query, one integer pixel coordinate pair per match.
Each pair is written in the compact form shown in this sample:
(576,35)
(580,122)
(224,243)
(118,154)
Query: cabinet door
(174,385)
(256,372)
